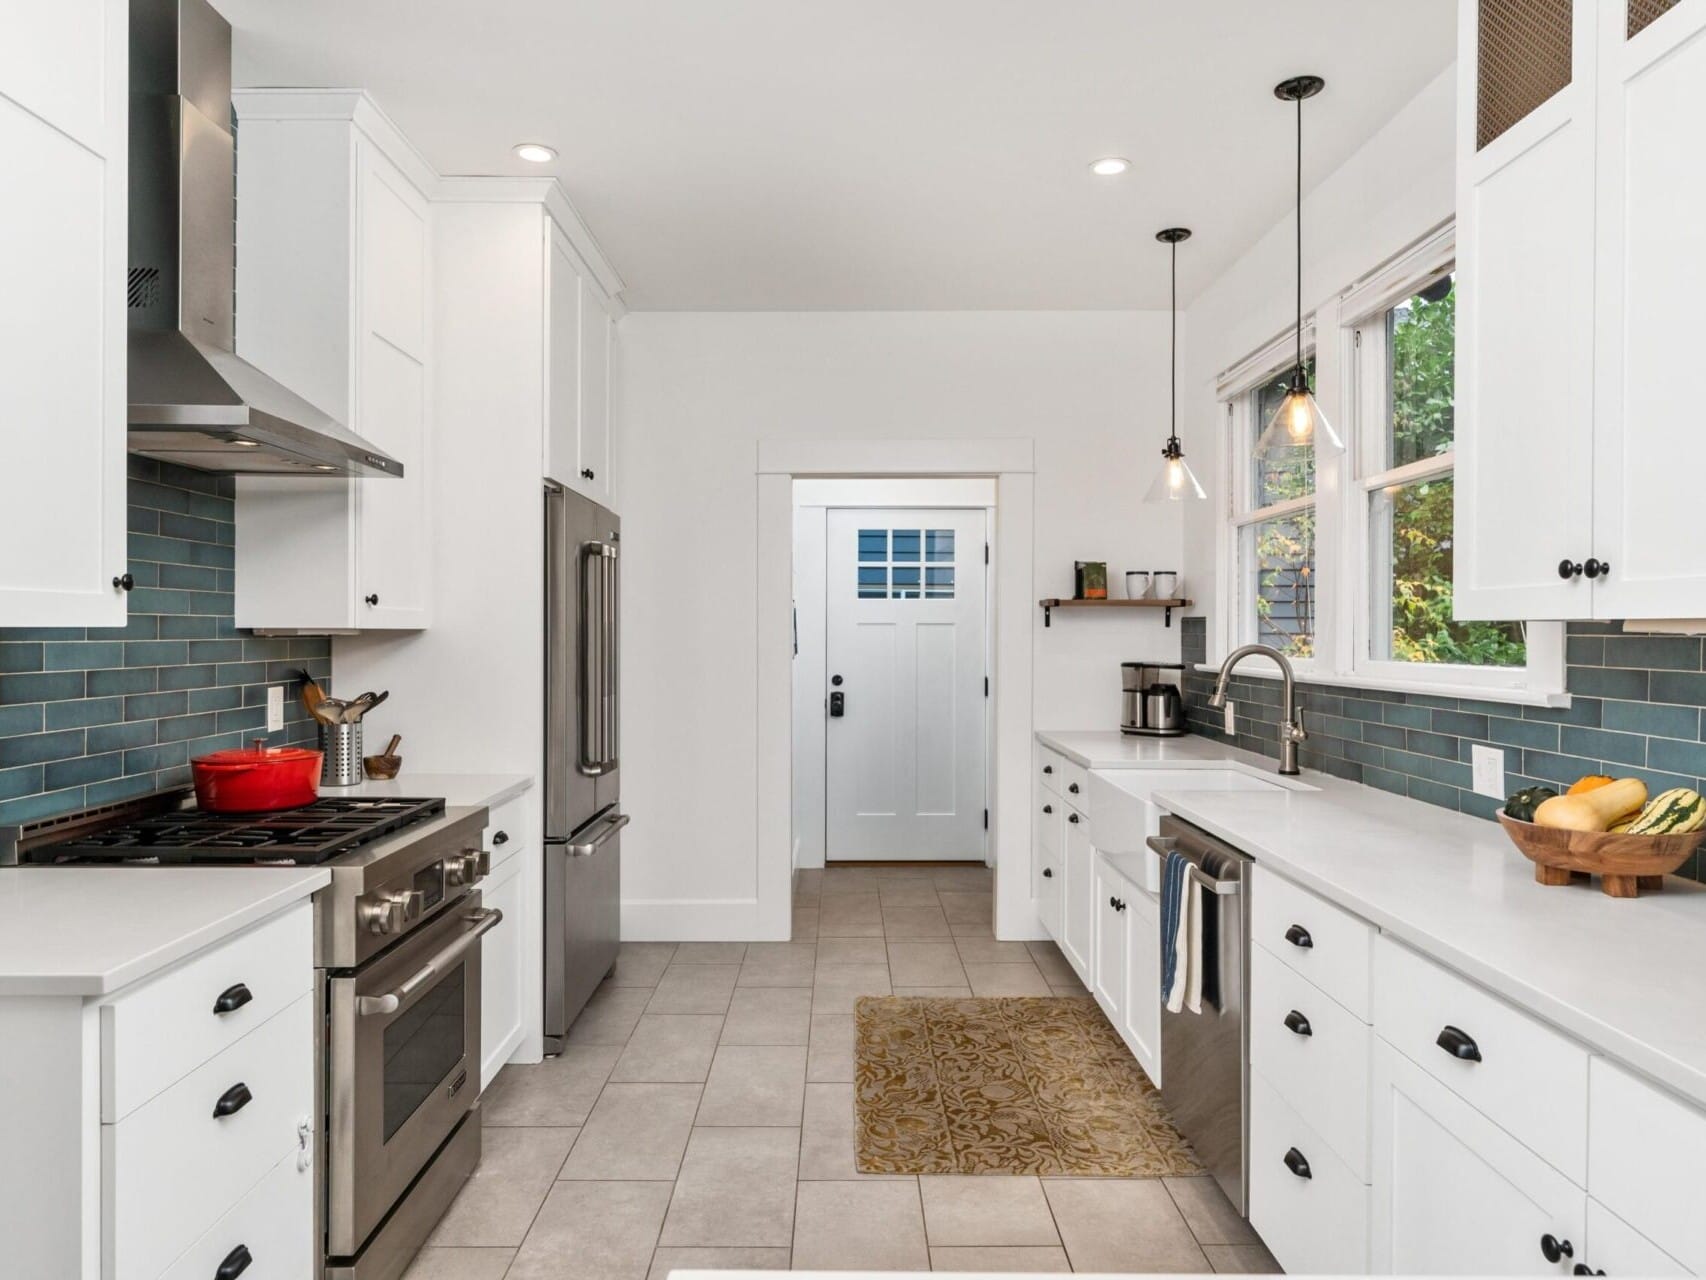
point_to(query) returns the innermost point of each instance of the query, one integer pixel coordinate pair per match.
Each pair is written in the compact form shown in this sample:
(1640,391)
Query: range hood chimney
(193,400)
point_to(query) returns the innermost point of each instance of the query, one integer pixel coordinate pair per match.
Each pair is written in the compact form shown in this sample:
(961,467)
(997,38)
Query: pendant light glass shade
(1177,482)
(1298,426)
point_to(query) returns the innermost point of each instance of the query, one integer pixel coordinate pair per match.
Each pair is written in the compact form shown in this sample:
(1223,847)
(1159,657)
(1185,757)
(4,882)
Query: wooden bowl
(1626,864)
(382,768)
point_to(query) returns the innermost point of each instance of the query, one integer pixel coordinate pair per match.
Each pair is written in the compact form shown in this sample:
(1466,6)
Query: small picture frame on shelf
(1090,579)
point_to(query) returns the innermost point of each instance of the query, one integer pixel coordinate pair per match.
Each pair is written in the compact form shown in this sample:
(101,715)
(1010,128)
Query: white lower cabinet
(1614,1248)
(1078,903)
(1140,1021)
(1308,1206)
(264,1237)
(1108,976)
(500,972)
(1454,1193)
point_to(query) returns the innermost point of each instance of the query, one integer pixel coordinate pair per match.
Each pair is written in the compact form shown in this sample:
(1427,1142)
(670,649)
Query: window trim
(1344,554)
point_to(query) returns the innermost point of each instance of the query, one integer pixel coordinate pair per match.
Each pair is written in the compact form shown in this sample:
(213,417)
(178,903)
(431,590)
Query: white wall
(698,391)
(1391,192)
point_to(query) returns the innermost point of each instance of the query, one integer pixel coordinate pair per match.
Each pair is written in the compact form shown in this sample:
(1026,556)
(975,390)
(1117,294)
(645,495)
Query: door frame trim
(1012,464)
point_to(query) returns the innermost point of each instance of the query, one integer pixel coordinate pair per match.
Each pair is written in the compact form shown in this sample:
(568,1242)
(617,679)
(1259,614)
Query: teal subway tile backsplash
(92,715)
(1636,709)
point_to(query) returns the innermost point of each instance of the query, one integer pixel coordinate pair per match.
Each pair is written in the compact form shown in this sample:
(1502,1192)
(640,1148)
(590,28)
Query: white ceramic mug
(1137,584)
(1166,585)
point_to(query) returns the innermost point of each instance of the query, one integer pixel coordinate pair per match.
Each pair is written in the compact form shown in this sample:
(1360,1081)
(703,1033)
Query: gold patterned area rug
(1015,1085)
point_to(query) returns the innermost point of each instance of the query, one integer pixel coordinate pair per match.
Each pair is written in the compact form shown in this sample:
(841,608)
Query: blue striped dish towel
(1174,875)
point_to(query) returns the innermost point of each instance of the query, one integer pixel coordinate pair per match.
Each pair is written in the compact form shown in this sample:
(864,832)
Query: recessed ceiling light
(1109,166)
(535,152)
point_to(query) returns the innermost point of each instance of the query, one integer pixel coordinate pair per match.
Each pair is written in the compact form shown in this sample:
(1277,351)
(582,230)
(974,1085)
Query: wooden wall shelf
(1049,606)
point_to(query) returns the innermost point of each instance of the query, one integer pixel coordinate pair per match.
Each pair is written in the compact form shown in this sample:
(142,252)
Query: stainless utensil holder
(341,744)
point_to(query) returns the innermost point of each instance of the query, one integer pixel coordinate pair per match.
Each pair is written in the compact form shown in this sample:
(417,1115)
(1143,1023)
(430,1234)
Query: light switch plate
(1231,721)
(1487,766)
(275,708)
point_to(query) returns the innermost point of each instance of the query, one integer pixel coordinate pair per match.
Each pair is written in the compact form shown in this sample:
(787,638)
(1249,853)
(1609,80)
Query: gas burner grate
(302,836)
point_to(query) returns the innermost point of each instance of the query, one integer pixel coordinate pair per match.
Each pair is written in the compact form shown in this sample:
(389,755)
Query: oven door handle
(484,921)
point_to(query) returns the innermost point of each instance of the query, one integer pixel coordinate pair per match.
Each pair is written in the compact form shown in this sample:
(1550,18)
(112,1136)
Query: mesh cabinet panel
(1642,12)
(1523,59)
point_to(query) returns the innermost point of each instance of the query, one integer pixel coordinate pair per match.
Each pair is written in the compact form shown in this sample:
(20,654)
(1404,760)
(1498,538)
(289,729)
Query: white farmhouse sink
(1123,812)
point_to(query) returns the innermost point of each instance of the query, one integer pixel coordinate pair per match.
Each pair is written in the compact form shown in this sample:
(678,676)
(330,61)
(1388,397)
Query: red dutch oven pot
(256,779)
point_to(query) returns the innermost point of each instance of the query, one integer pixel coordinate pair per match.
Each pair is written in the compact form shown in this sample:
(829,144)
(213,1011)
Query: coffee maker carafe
(1153,699)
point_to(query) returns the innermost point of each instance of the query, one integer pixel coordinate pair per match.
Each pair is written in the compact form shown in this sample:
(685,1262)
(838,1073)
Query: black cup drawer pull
(1048,768)
(500,837)
(1048,808)
(1297,1164)
(1297,1024)
(1582,1269)
(232,1101)
(1298,936)
(1554,1249)
(1458,1043)
(233,998)
(235,1264)
(1072,787)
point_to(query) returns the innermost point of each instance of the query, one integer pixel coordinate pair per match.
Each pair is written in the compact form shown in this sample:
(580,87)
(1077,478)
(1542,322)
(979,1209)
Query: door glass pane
(421,1047)
(906,544)
(939,545)
(1421,335)
(873,544)
(1278,479)
(939,583)
(905,581)
(873,583)
(1278,558)
(1412,575)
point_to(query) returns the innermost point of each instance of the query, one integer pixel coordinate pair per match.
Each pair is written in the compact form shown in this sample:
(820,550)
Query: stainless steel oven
(400,940)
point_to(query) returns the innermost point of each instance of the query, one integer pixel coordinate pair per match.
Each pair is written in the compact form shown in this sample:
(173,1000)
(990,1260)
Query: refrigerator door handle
(598,675)
(586,848)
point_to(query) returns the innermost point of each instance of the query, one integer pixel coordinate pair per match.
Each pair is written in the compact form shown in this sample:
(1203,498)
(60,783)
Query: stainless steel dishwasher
(1205,1057)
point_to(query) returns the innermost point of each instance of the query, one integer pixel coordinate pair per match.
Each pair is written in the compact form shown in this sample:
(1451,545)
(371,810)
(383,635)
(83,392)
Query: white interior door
(906,736)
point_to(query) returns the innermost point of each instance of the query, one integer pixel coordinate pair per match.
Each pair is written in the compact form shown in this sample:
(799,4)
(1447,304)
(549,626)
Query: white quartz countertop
(87,931)
(1617,974)
(460,790)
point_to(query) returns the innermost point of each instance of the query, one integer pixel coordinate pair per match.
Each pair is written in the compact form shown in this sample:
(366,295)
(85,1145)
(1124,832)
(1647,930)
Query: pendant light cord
(1173,350)
(1300,232)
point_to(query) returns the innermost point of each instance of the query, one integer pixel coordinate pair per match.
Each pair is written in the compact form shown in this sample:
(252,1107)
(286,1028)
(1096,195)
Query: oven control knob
(390,912)
(467,866)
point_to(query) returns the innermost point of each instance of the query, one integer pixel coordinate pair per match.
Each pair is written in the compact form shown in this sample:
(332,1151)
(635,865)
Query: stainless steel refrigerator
(583,814)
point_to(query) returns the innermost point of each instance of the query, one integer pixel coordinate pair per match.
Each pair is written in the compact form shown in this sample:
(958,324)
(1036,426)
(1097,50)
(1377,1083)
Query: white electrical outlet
(1487,765)
(275,708)
(1231,717)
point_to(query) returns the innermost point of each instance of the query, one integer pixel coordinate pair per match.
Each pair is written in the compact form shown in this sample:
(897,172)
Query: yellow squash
(1596,810)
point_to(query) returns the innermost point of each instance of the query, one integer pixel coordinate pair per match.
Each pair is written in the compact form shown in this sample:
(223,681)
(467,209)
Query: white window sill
(1434,688)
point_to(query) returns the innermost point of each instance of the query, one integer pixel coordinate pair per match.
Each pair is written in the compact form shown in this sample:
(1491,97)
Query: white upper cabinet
(580,341)
(1649,451)
(333,299)
(64,81)
(1581,267)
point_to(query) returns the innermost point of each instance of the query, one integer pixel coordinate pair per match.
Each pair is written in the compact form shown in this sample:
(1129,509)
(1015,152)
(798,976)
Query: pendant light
(1298,425)
(1176,482)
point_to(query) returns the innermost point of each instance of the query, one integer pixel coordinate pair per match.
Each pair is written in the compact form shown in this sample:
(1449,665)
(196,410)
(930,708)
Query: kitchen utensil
(1624,863)
(341,744)
(256,779)
(329,710)
(1166,584)
(362,705)
(311,693)
(1136,584)
(387,763)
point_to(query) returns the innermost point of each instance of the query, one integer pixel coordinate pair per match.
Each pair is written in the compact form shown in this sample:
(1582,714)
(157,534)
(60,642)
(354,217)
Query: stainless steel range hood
(193,400)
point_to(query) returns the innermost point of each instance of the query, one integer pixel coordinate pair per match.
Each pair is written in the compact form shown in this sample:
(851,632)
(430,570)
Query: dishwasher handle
(1166,845)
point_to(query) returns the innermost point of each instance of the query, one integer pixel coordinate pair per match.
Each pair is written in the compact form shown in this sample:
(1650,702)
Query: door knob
(1568,569)
(1554,1249)
(837,704)
(124,582)
(1592,568)
(373,599)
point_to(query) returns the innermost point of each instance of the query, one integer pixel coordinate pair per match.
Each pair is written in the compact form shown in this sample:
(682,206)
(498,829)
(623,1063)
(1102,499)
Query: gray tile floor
(702,1116)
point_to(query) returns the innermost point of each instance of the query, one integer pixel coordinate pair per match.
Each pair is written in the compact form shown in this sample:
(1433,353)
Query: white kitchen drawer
(160,1030)
(1327,945)
(1051,770)
(1321,1067)
(274,1223)
(171,1169)
(1075,784)
(1316,1225)
(1051,819)
(509,828)
(1615,1248)
(1525,1077)
(1647,1161)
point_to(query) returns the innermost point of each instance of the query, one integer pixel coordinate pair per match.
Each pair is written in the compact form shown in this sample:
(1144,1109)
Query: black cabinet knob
(1072,817)
(1048,808)
(1119,904)
(500,837)
(1048,768)
(232,1101)
(1582,1269)
(231,999)
(1460,1045)
(1554,1249)
(124,582)
(1298,936)
(1048,873)
(1592,568)
(235,1264)
(373,599)
(586,473)
(1297,1024)
(1297,1164)
(1072,787)
(1568,569)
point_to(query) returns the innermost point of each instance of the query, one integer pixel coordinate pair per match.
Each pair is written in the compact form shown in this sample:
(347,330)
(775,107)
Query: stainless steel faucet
(1291,729)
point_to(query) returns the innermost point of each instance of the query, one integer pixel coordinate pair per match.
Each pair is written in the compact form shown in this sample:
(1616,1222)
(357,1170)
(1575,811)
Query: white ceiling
(873,154)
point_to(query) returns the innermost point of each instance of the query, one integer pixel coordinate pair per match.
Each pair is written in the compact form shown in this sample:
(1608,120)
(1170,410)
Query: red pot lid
(249,756)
